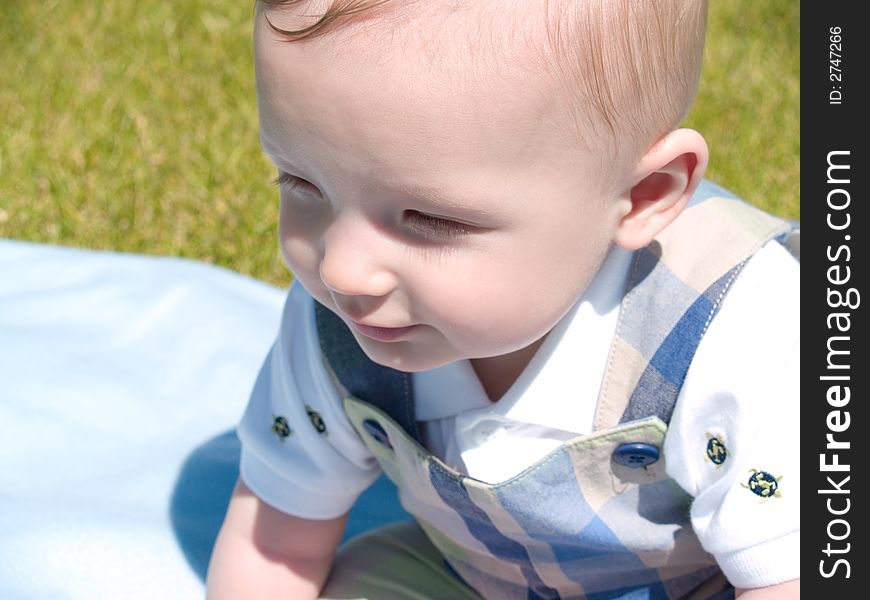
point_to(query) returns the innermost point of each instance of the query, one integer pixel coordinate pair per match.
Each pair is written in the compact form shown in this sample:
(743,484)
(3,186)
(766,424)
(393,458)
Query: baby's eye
(295,184)
(431,226)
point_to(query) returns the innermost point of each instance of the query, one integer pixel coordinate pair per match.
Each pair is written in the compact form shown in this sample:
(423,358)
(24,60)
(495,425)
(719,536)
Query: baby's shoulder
(767,290)
(753,341)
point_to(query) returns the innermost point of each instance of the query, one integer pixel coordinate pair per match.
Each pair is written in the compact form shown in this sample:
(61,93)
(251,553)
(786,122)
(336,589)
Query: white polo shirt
(742,386)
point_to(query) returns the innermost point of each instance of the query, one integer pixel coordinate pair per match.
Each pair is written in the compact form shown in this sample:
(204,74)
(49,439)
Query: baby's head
(453,173)
(628,69)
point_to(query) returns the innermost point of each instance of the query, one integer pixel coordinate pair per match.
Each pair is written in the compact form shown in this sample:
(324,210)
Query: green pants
(397,562)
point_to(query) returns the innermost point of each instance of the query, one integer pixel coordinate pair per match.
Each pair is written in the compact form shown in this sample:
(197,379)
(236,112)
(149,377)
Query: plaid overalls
(598,517)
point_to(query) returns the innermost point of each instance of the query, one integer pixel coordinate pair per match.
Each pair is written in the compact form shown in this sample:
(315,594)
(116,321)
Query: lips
(383,334)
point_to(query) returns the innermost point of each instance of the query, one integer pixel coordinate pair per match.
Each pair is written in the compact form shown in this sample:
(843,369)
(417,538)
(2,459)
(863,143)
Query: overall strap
(675,288)
(387,389)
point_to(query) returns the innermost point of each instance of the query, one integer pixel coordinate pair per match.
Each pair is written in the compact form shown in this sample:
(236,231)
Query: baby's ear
(665,178)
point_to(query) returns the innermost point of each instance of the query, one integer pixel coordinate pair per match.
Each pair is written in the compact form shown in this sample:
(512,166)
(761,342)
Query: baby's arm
(264,553)
(743,392)
(783,591)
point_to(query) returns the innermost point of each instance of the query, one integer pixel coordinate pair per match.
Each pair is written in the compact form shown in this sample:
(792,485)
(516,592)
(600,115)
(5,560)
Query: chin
(401,356)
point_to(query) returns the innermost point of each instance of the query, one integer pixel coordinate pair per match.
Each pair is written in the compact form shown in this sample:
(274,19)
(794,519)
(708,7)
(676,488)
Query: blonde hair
(635,63)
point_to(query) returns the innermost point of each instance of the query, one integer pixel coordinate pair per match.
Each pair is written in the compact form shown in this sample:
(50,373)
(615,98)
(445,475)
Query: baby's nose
(350,265)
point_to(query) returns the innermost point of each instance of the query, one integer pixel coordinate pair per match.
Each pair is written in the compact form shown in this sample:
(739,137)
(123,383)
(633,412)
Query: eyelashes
(424,225)
(291,183)
(428,225)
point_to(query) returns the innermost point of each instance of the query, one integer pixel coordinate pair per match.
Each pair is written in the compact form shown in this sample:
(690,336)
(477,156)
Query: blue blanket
(121,380)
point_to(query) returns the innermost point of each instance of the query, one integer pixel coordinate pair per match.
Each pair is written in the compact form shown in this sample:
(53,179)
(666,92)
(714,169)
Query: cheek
(299,237)
(492,306)
(507,299)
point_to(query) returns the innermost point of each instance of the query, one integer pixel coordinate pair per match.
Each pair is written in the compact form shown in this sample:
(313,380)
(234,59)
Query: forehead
(436,25)
(452,42)
(412,83)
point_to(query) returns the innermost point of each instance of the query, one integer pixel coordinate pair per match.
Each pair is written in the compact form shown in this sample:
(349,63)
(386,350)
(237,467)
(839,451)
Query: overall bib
(598,517)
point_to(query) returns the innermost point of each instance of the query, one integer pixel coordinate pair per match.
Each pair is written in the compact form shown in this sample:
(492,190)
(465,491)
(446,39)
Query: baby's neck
(498,373)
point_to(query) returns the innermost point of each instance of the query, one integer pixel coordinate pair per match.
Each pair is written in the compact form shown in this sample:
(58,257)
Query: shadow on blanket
(205,483)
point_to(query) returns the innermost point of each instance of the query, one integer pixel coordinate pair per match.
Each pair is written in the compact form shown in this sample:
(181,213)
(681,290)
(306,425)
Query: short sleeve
(733,441)
(300,453)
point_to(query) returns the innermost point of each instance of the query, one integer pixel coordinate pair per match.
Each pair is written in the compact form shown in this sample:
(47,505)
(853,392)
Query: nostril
(337,273)
(355,275)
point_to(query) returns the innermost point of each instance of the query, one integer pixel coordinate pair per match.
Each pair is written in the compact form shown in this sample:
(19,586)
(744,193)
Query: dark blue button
(636,455)
(374,429)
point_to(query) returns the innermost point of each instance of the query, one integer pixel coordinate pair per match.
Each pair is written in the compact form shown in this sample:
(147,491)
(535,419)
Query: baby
(515,295)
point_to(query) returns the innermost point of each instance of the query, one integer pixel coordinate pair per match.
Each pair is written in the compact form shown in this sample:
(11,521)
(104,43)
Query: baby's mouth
(383,334)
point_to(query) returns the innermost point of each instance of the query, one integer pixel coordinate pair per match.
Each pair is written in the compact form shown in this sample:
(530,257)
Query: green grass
(748,105)
(132,125)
